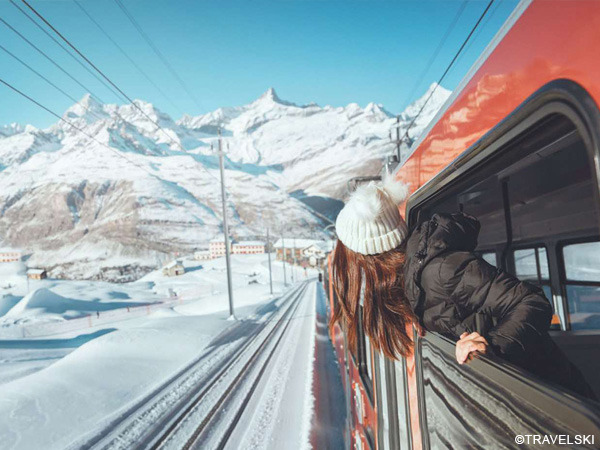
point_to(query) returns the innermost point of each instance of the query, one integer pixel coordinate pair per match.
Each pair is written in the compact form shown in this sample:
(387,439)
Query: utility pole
(398,137)
(284,258)
(268,246)
(226,230)
(294,261)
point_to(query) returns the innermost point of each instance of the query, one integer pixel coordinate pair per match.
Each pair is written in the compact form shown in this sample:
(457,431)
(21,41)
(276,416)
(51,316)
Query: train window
(531,264)
(582,271)
(532,184)
(551,191)
(539,189)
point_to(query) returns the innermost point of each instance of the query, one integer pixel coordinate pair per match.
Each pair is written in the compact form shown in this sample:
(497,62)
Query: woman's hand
(468,345)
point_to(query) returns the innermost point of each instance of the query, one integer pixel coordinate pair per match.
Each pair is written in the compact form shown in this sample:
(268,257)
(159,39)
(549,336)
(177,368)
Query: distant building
(216,248)
(36,274)
(314,254)
(173,269)
(248,247)
(300,249)
(202,255)
(10,255)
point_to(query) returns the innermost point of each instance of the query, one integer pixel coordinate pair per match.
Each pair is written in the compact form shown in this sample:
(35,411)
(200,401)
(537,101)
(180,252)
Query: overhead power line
(436,52)
(449,66)
(157,52)
(48,58)
(491,13)
(32,20)
(178,144)
(86,59)
(48,81)
(125,54)
(62,119)
(93,95)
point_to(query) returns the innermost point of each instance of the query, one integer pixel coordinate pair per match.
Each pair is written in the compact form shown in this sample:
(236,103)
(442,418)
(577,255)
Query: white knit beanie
(370,222)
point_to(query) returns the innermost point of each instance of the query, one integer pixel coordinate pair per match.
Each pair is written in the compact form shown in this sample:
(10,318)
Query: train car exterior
(518,146)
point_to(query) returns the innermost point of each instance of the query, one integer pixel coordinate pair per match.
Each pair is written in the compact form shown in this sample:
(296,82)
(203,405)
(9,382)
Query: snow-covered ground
(56,390)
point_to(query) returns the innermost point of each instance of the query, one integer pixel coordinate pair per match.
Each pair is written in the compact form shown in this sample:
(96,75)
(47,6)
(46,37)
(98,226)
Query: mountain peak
(270,97)
(435,96)
(270,94)
(86,108)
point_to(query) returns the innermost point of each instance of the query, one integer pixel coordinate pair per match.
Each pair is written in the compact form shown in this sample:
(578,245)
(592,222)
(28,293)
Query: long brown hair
(386,312)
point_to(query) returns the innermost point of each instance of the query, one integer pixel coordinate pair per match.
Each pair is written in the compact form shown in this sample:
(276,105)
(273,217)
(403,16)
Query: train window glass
(582,261)
(532,264)
(490,258)
(484,201)
(368,358)
(364,358)
(551,191)
(582,270)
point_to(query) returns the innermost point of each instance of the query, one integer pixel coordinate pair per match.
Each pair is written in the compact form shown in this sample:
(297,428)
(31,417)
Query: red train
(518,146)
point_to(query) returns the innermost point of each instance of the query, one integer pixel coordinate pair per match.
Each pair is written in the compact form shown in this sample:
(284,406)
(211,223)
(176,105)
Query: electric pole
(398,137)
(226,229)
(294,261)
(284,258)
(268,247)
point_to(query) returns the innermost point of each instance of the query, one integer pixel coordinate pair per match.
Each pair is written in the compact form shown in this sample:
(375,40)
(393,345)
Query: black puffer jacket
(451,290)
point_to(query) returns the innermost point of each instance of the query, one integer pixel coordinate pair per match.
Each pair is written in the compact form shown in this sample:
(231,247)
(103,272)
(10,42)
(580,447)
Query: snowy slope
(116,206)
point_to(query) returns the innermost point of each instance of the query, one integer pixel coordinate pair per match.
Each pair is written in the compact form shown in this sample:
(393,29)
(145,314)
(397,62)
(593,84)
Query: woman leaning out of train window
(431,278)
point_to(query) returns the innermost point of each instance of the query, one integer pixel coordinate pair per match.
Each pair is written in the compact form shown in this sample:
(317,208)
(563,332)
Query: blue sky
(229,52)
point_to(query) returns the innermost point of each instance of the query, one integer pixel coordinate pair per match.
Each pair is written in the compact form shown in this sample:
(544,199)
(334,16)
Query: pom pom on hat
(397,190)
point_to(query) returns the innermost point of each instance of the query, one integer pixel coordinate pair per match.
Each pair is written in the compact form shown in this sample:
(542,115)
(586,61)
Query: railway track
(184,410)
(215,427)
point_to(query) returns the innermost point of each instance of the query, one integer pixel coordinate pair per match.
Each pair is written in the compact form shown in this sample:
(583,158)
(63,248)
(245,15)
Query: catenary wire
(125,54)
(449,66)
(11,54)
(94,96)
(158,53)
(86,59)
(62,119)
(32,20)
(434,55)
(48,58)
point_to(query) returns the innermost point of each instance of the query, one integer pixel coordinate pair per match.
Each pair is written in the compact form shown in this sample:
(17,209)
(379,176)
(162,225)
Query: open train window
(534,188)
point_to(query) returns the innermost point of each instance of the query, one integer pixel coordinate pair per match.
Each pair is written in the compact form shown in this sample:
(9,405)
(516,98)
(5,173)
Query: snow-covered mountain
(115,206)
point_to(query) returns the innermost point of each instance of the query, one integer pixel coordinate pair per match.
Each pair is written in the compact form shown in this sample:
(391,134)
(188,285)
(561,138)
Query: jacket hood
(446,232)
(441,234)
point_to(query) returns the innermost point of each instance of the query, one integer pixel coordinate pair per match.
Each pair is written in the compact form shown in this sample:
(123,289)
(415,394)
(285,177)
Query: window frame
(559,96)
(535,248)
